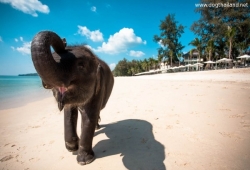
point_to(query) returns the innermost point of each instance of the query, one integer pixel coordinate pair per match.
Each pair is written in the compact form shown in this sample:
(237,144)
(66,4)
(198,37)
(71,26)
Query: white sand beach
(175,121)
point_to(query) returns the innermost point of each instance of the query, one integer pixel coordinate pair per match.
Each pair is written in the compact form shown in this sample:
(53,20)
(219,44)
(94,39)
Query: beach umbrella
(199,64)
(209,62)
(244,56)
(221,60)
(224,60)
(176,68)
(189,65)
(181,67)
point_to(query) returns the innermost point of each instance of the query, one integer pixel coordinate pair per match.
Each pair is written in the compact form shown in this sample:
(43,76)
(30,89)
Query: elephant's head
(71,72)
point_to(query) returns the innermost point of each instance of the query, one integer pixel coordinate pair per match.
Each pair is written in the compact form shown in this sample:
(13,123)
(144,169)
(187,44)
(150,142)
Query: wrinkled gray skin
(79,81)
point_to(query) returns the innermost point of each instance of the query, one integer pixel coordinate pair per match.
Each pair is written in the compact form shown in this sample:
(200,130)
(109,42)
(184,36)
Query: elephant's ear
(98,79)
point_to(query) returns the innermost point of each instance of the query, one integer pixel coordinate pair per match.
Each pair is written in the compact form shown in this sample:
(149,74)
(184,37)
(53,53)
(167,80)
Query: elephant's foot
(72,146)
(84,157)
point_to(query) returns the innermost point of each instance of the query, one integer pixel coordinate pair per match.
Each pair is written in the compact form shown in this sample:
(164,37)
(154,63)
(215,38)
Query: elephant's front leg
(89,121)
(70,124)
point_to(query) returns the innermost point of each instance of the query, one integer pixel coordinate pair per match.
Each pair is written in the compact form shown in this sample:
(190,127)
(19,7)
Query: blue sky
(112,29)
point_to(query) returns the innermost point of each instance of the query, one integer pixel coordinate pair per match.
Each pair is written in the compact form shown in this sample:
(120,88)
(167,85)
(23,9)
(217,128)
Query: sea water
(16,91)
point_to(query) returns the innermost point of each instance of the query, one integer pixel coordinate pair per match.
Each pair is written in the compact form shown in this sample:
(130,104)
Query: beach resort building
(192,59)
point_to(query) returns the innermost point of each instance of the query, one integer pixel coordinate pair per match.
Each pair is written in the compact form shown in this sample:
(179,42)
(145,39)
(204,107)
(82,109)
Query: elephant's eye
(46,86)
(80,66)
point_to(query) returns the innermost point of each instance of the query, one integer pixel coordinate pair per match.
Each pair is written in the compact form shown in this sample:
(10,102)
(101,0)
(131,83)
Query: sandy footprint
(224,134)
(237,116)
(169,127)
(230,135)
(6,144)
(6,158)
(224,109)
(35,126)
(245,125)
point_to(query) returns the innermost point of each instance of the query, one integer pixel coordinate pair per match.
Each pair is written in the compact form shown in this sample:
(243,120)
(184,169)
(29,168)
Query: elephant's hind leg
(70,124)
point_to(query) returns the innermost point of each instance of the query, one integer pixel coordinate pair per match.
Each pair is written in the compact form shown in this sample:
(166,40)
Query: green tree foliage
(121,69)
(210,49)
(130,68)
(227,27)
(169,38)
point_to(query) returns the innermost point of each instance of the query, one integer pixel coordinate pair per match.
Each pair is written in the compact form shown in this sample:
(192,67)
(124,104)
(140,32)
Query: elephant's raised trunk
(44,63)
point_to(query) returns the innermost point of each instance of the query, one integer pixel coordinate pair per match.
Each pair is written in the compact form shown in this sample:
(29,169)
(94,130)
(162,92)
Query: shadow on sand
(134,140)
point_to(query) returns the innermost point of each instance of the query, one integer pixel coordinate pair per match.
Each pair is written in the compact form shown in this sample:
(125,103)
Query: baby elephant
(79,81)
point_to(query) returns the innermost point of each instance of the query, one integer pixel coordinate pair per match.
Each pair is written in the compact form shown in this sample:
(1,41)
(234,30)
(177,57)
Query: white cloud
(93,35)
(25,49)
(93,8)
(120,42)
(136,53)
(28,6)
(112,66)
(16,39)
(1,40)
(13,48)
(21,38)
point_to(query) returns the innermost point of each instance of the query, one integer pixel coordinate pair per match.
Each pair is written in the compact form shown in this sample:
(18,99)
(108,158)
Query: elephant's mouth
(62,90)
(60,97)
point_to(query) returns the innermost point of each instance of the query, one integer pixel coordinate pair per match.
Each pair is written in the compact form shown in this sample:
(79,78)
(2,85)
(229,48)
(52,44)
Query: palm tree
(151,62)
(179,57)
(220,48)
(242,46)
(144,64)
(197,43)
(231,32)
(210,49)
(156,63)
(160,58)
(191,54)
(171,54)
